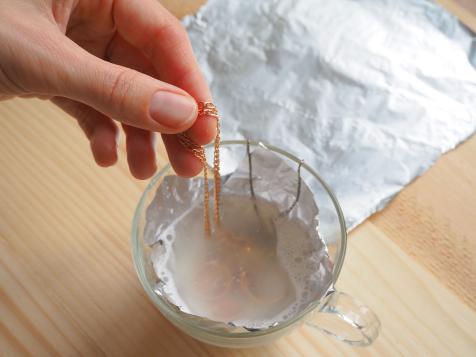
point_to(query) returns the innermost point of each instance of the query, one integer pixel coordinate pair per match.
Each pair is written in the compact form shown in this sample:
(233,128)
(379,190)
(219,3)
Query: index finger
(148,26)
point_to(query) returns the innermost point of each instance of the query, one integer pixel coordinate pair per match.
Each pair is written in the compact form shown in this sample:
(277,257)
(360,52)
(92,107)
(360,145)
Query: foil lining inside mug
(281,208)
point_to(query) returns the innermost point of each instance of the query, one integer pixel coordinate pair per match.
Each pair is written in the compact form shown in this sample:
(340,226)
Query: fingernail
(171,109)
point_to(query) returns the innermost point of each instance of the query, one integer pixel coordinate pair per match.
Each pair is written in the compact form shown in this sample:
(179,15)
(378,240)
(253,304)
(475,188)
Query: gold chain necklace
(209,109)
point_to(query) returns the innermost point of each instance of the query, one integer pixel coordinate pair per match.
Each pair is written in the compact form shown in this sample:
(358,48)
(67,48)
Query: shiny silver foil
(273,180)
(369,93)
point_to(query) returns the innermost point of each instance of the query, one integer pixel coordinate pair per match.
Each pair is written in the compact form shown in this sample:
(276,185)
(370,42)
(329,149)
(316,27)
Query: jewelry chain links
(207,109)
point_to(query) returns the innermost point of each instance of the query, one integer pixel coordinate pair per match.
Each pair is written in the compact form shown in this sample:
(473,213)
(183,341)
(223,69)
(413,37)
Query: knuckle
(9,86)
(85,123)
(83,116)
(121,87)
(176,31)
(176,35)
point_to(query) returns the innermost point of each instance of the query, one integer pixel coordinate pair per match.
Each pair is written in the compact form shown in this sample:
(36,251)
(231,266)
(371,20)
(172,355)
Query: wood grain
(433,220)
(68,287)
(465,10)
(180,8)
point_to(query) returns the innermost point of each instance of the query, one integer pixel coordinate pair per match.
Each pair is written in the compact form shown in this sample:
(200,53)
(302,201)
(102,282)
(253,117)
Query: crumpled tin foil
(369,93)
(273,180)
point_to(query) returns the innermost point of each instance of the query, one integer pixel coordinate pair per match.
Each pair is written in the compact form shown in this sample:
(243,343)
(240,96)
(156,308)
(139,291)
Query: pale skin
(109,62)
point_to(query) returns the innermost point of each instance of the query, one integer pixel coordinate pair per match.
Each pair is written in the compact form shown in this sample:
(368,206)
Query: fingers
(160,36)
(182,160)
(140,152)
(124,94)
(137,99)
(204,130)
(121,52)
(164,41)
(103,143)
(103,133)
(99,129)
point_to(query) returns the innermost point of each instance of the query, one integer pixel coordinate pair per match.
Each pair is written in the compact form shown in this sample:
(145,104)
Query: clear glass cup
(336,314)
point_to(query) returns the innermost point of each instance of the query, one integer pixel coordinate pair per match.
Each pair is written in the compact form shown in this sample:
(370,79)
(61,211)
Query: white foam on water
(259,269)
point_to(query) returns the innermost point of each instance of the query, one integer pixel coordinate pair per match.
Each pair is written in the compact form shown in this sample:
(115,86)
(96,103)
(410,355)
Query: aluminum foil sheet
(370,93)
(174,231)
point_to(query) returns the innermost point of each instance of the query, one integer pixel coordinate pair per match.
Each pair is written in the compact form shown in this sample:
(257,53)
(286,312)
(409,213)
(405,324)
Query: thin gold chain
(199,152)
(216,171)
(209,109)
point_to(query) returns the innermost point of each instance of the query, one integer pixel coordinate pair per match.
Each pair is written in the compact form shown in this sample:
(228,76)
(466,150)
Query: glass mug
(336,314)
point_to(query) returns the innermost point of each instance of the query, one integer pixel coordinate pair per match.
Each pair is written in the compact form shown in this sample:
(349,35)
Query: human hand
(126,60)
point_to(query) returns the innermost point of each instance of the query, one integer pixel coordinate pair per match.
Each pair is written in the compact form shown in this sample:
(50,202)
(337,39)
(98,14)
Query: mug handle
(347,319)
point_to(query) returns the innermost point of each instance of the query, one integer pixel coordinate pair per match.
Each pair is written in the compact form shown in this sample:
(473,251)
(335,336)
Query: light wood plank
(433,220)
(465,10)
(180,8)
(68,287)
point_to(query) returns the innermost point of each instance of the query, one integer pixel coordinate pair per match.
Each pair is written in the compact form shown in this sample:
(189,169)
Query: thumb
(124,94)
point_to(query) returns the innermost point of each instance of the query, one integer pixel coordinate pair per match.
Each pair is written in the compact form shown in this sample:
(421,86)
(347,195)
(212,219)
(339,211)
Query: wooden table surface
(68,286)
